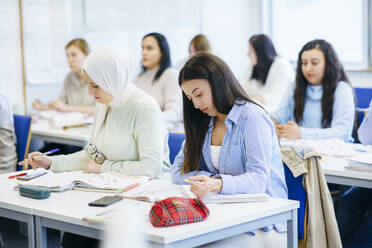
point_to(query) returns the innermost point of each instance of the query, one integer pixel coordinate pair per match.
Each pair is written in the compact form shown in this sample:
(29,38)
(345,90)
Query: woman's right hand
(36,160)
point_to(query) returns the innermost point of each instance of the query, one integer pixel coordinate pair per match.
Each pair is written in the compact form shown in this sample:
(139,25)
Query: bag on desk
(174,211)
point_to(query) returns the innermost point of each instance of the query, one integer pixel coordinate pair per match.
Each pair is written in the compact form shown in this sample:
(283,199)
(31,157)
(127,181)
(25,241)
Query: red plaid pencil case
(174,211)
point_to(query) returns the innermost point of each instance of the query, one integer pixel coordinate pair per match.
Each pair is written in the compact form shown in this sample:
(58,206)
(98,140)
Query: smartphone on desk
(30,176)
(105,201)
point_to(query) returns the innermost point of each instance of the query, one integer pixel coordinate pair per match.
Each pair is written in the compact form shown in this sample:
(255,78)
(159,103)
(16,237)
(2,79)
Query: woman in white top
(158,79)
(128,133)
(74,97)
(269,75)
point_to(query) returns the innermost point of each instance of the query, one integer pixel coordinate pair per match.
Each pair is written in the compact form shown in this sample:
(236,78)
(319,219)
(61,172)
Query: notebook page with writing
(155,190)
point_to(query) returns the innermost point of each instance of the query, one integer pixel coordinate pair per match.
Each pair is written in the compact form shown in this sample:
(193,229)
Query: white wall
(228,25)
(10,50)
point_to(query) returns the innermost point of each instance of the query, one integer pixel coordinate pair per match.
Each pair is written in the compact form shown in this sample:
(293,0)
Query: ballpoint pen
(202,184)
(51,151)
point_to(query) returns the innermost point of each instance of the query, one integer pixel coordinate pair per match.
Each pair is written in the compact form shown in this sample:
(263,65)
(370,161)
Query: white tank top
(215,153)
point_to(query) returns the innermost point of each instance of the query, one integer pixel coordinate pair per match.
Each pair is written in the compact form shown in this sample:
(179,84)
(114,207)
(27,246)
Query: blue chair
(175,142)
(22,129)
(297,192)
(363,98)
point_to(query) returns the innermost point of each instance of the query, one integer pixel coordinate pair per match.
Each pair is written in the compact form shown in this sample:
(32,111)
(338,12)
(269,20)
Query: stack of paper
(361,162)
(58,119)
(330,147)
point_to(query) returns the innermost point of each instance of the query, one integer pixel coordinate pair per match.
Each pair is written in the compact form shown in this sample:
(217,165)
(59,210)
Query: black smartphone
(105,201)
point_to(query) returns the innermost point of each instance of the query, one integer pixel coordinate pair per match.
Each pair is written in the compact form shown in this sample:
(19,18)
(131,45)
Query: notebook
(237,198)
(156,190)
(109,182)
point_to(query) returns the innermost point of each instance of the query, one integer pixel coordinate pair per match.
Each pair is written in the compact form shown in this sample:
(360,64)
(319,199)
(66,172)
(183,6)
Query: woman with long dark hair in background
(268,75)
(158,79)
(321,103)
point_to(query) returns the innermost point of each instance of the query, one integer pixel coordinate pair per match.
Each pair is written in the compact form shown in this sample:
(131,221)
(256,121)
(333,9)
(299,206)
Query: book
(108,182)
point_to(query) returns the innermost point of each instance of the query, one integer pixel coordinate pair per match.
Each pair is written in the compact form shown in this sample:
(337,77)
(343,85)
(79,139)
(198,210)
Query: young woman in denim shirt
(231,146)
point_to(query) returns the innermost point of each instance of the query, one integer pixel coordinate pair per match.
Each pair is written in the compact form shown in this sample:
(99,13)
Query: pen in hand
(202,184)
(37,156)
(51,151)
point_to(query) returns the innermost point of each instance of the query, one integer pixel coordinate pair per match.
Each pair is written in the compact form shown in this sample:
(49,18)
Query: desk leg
(292,236)
(41,234)
(31,231)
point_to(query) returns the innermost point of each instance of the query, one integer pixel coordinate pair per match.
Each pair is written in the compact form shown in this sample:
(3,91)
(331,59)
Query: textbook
(108,182)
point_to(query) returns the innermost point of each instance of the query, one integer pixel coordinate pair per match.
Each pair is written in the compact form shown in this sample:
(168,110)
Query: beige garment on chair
(322,229)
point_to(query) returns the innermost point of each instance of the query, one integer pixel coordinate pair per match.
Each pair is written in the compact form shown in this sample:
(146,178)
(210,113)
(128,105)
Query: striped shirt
(249,160)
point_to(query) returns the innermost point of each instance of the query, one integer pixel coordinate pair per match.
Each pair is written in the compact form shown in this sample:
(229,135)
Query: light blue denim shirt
(311,126)
(249,160)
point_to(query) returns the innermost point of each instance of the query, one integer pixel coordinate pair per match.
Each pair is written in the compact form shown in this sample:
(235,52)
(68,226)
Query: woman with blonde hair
(74,97)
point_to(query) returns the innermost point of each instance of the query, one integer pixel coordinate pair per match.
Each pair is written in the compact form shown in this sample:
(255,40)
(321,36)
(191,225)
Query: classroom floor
(11,234)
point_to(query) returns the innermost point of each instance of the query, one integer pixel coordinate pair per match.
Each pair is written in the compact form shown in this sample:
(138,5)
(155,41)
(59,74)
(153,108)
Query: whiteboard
(46,31)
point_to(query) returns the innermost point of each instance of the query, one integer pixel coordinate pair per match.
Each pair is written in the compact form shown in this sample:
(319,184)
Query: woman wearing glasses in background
(128,136)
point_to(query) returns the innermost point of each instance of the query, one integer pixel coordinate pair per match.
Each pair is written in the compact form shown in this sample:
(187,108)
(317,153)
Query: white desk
(64,211)
(72,136)
(335,172)
(16,207)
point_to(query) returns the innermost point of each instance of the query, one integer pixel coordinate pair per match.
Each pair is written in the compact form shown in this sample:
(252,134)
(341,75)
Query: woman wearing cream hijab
(128,134)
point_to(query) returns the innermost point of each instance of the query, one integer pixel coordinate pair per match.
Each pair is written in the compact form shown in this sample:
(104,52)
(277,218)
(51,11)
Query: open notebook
(105,182)
(159,190)
(156,190)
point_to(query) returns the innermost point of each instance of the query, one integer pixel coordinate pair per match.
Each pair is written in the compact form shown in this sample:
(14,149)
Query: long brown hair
(225,91)
(333,73)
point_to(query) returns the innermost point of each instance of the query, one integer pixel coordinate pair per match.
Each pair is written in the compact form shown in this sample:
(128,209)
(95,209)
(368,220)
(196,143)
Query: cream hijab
(110,71)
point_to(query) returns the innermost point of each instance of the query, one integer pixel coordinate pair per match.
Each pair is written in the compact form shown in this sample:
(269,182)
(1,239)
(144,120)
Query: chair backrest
(22,129)
(363,97)
(175,142)
(297,192)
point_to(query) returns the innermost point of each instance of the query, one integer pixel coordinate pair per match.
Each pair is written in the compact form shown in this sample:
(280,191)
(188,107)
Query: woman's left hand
(290,131)
(202,185)
(92,167)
